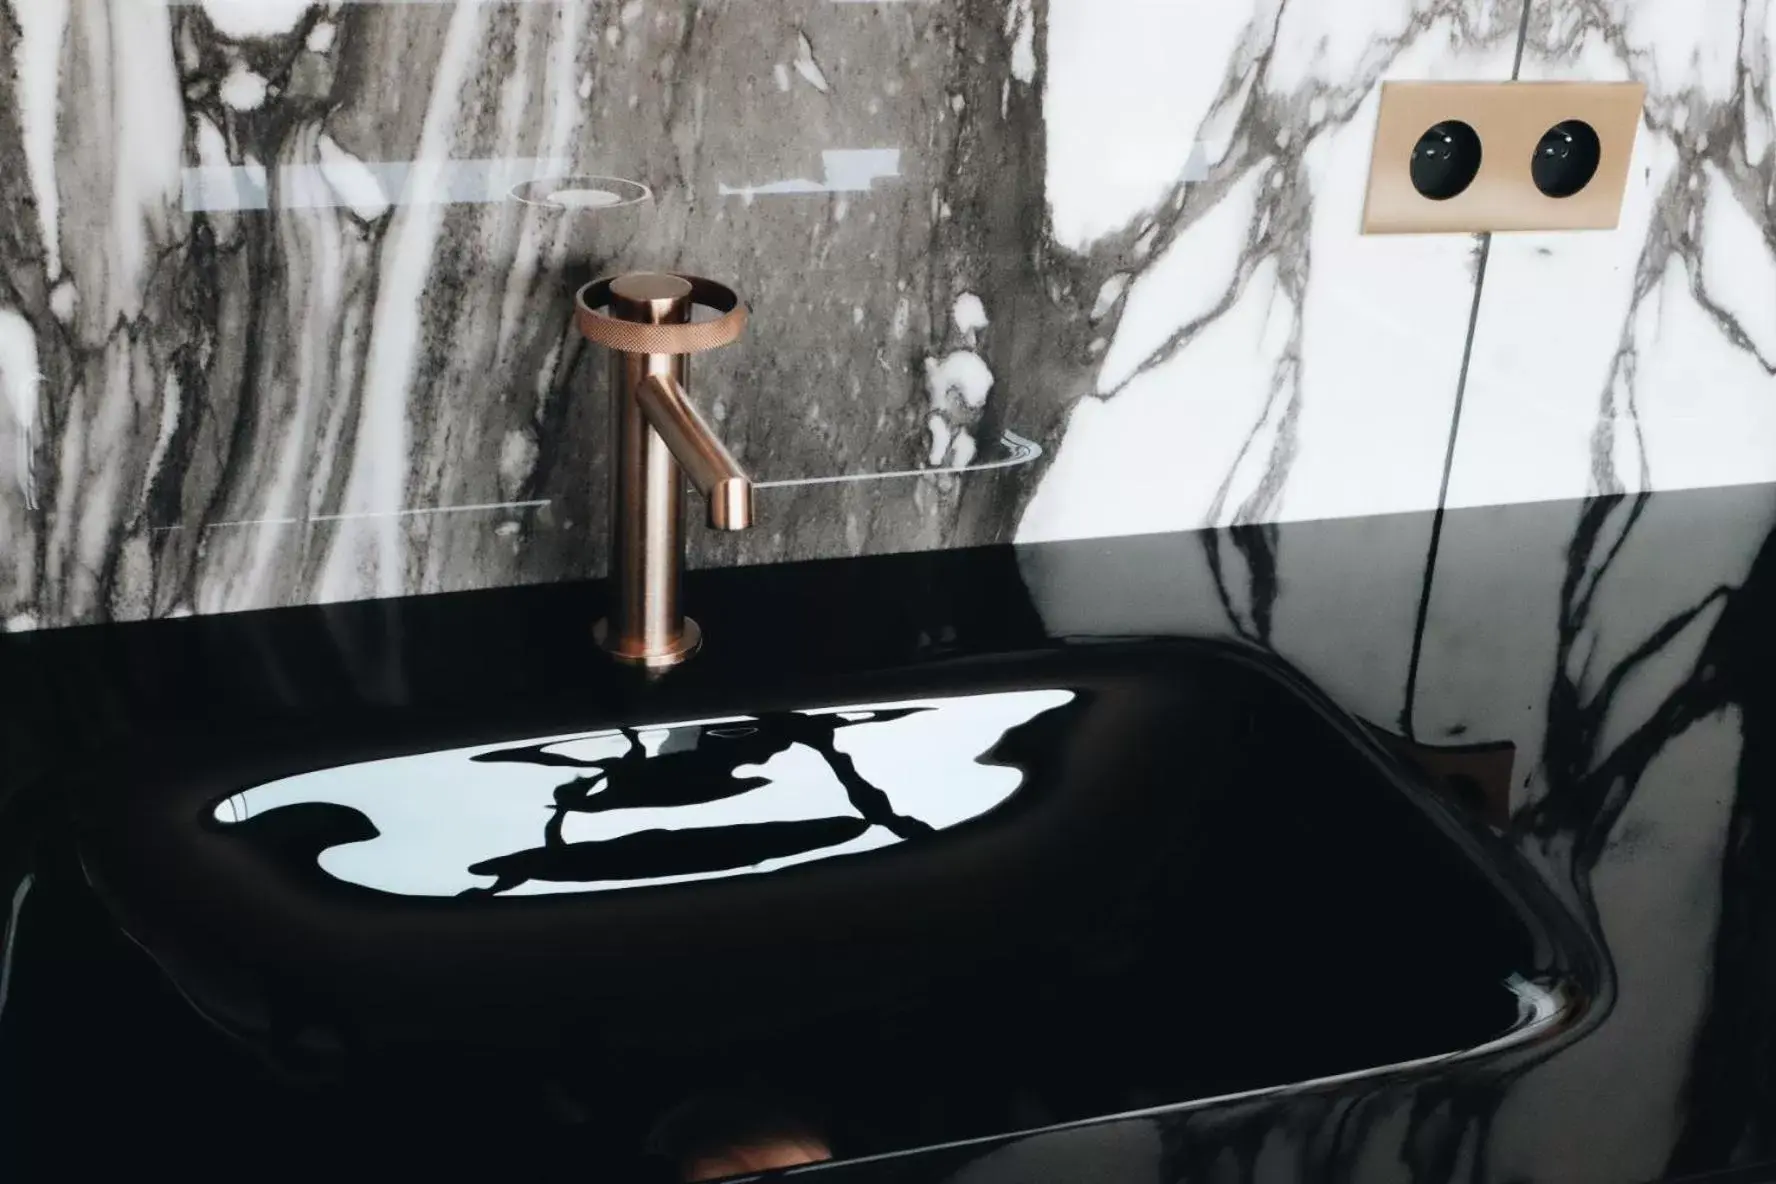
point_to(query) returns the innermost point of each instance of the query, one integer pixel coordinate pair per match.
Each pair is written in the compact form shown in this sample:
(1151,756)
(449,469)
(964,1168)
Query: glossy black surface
(1209,879)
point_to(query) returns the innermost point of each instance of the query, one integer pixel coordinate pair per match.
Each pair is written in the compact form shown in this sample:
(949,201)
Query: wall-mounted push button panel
(1463,157)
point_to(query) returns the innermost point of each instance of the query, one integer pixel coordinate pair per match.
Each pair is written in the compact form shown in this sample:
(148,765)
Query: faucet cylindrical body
(646,623)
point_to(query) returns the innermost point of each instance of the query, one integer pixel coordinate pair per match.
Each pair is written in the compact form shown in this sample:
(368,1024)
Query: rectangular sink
(980,896)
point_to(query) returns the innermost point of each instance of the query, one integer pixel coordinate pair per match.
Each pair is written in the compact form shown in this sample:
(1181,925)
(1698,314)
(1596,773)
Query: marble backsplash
(273,328)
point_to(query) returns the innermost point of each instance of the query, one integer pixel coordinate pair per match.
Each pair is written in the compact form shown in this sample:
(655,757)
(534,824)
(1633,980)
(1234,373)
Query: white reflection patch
(661,804)
(368,188)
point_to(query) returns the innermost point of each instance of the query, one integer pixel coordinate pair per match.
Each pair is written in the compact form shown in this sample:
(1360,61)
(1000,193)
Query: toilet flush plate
(1511,122)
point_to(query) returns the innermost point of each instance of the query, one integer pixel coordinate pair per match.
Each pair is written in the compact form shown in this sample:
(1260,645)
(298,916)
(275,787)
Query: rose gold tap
(657,439)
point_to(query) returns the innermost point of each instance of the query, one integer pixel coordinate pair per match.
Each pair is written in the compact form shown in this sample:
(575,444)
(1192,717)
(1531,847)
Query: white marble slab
(1258,361)
(1266,362)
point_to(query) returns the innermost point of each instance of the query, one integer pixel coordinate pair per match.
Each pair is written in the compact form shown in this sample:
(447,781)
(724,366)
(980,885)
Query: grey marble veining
(265,315)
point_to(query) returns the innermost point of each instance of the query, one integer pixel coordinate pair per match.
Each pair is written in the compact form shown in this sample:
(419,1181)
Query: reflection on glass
(662,804)
(843,170)
(367,188)
(582,192)
(595,220)
(1013,450)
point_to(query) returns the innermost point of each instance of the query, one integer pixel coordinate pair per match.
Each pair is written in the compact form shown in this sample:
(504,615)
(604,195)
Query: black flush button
(1446,160)
(1566,158)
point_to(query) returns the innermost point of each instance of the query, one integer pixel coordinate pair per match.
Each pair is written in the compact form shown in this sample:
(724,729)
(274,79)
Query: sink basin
(978,896)
(636,807)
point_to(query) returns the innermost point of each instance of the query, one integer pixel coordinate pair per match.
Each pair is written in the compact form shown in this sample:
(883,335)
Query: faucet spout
(699,451)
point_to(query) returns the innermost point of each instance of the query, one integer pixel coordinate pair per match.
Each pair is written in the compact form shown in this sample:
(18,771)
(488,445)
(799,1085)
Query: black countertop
(1588,679)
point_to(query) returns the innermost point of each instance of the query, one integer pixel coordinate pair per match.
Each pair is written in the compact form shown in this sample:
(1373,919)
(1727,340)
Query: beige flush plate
(1510,118)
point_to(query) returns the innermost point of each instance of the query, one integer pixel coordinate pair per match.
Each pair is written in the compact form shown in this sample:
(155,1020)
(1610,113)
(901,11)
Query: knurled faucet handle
(634,337)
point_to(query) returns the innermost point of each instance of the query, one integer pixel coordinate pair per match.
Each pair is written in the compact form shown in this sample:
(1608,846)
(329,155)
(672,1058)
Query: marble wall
(274,329)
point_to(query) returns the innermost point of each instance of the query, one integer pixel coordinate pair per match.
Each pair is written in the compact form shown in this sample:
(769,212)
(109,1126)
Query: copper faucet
(657,439)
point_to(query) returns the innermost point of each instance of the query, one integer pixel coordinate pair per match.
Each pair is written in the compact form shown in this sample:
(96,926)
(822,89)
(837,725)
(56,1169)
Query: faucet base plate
(631,652)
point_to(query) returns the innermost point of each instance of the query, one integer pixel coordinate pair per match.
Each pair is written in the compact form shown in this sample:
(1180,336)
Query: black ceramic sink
(981,896)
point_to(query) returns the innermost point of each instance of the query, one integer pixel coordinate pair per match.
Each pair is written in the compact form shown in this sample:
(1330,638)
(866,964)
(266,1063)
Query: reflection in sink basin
(665,804)
(1003,894)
